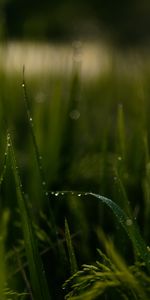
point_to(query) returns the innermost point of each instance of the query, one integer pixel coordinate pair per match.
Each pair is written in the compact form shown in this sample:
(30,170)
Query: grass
(75,178)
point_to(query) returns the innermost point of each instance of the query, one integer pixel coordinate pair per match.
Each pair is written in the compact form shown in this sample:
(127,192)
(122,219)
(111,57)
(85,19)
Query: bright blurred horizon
(93,59)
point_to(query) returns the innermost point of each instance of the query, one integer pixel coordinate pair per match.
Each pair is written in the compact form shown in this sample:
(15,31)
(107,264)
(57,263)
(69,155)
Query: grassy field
(75,185)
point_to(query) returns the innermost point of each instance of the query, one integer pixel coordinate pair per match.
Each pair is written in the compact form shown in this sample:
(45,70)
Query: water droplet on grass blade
(129,222)
(56,194)
(119,158)
(74,114)
(79,195)
(148,248)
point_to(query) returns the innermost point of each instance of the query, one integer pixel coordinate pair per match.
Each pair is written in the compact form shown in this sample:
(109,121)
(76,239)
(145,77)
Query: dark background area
(121,22)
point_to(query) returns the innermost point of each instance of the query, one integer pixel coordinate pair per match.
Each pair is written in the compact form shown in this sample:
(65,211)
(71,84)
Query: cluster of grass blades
(110,277)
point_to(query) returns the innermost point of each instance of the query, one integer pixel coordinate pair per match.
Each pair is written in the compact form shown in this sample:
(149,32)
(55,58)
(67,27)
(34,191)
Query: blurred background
(52,33)
(123,23)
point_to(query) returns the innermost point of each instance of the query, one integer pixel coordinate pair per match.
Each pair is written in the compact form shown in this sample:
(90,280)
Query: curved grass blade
(37,274)
(127,223)
(130,227)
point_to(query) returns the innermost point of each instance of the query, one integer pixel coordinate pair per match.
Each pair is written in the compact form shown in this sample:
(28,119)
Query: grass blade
(39,160)
(5,162)
(3,232)
(130,227)
(126,222)
(72,257)
(35,145)
(37,275)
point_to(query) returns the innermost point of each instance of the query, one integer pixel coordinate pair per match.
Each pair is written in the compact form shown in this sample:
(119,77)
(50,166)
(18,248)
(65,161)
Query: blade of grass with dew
(72,257)
(38,159)
(5,162)
(130,227)
(127,223)
(31,126)
(59,246)
(37,274)
(3,233)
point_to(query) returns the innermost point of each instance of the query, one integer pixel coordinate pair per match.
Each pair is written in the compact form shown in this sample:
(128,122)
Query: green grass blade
(39,159)
(34,141)
(130,227)
(3,233)
(126,222)
(5,162)
(72,257)
(37,274)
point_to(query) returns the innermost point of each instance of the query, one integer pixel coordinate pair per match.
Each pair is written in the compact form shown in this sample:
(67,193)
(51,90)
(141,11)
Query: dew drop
(46,194)
(62,193)
(56,194)
(79,195)
(8,144)
(23,85)
(43,183)
(31,119)
(129,222)
(119,158)
(74,114)
(148,248)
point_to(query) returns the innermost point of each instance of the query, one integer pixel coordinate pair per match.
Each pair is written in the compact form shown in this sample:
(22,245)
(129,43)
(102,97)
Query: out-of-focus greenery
(124,22)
